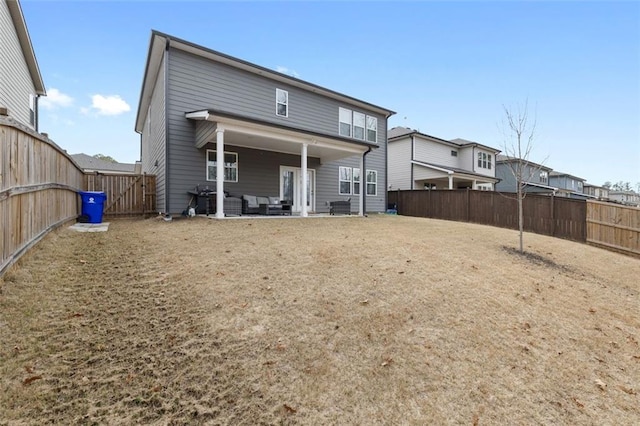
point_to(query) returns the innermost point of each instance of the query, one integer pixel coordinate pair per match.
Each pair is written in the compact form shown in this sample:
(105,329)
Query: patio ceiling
(262,136)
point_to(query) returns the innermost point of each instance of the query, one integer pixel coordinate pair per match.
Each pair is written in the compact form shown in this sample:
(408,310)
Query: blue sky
(446,68)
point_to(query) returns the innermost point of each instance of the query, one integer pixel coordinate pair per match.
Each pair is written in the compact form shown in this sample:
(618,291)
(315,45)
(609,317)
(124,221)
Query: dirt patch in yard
(379,320)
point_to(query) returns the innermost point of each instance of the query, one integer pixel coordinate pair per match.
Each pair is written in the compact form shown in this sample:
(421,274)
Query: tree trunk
(520,217)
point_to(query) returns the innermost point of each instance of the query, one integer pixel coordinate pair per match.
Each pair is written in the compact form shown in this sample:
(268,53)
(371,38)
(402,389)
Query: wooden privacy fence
(547,215)
(127,195)
(614,226)
(38,189)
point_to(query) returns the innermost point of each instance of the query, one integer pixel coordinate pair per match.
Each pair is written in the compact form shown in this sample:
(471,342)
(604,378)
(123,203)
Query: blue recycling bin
(92,205)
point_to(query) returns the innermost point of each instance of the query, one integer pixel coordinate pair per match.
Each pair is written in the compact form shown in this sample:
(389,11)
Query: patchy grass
(383,320)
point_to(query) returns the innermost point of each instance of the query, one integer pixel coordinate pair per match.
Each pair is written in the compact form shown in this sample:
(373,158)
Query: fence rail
(39,186)
(38,189)
(127,195)
(547,215)
(609,225)
(614,226)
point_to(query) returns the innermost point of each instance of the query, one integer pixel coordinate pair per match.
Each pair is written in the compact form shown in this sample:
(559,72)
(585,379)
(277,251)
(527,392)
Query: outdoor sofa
(252,204)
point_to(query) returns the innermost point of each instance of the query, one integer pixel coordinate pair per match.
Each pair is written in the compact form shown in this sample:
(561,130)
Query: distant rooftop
(93,164)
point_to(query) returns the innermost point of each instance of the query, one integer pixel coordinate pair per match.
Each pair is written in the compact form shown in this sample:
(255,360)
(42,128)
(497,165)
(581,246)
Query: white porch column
(303,166)
(475,184)
(363,187)
(219,173)
(450,181)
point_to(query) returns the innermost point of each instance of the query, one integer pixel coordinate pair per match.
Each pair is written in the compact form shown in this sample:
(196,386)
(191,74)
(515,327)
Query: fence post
(468,205)
(553,218)
(144,193)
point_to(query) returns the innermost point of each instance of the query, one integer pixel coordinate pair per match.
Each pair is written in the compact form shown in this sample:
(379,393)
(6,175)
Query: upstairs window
(544,177)
(230,166)
(358,125)
(454,153)
(484,160)
(345,122)
(282,103)
(372,129)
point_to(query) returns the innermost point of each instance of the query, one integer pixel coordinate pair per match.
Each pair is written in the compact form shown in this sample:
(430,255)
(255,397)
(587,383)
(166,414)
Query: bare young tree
(519,134)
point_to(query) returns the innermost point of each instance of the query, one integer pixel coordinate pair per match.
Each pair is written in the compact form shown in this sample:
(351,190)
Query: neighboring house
(272,134)
(534,175)
(420,161)
(568,185)
(595,191)
(20,80)
(630,198)
(92,164)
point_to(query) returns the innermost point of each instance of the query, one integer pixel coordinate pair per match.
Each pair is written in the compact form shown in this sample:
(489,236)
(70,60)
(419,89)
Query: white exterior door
(291,187)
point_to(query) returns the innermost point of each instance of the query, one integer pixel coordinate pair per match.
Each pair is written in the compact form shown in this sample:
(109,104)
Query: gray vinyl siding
(258,171)
(153,140)
(466,158)
(198,83)
(399,164)
(434,153)
(508,181)
(425,173)
(195,83)
(327,182)
(15,84)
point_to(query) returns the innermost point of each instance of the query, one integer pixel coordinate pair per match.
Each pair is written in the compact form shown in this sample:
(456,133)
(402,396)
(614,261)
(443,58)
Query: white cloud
(108,105)
(55,99)
(285,70)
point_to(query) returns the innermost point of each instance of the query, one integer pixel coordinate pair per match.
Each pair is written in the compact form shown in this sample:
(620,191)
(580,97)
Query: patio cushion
(263,200)
(252,200)
(274,201)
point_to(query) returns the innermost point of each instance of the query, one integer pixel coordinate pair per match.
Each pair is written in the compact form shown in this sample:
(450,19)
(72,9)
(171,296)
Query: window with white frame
(345,122)
(372,129)
(358,125)
(345,179)
(484,160)
(544,177)
(282,103)
(230,166)
(349,181)
(372,182)
(356,181)
(484,187)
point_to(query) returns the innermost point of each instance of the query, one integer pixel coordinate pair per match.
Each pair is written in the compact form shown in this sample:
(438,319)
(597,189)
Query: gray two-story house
(209,120)
(535,177)
(20,80)
(421,161)
(568,185)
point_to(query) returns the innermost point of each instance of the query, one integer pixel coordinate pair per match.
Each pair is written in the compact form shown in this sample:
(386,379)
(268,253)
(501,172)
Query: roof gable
(20,26)
(161,42)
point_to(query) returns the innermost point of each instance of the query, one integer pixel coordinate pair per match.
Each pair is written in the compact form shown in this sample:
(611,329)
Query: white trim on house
(253,135)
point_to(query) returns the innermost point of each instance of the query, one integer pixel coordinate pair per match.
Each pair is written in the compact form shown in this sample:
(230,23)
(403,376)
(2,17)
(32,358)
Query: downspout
(363,188)
(167,181)
(37,112)
(413,157)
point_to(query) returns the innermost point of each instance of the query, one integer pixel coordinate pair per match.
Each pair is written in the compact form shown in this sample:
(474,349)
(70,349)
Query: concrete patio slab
(90,227)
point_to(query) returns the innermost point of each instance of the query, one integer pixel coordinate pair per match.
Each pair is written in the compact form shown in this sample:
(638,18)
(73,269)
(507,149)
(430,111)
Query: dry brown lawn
(379,320)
